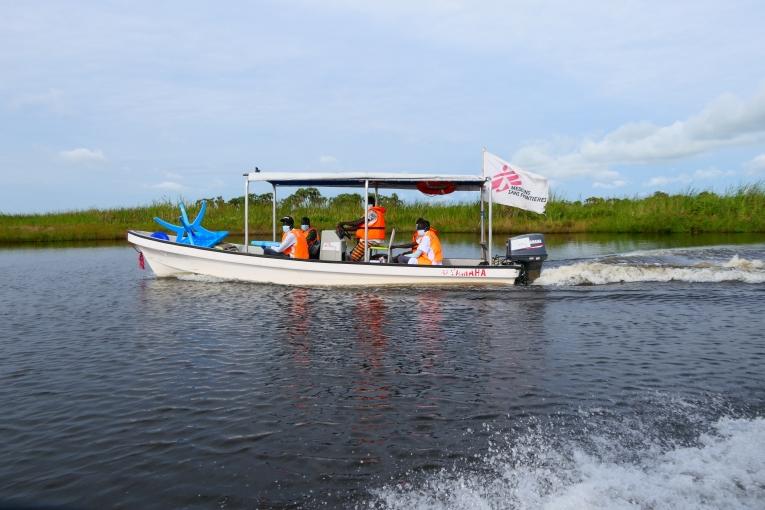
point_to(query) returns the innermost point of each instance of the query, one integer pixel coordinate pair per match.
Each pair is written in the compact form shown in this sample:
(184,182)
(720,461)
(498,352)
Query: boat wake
(719,468)
(202,278)
(686,265)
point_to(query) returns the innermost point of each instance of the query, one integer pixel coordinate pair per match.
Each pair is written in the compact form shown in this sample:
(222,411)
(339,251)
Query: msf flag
(515,187)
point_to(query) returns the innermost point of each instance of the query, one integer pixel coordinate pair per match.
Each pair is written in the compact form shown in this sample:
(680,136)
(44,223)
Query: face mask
(286,228)
(420,232)
(304,227)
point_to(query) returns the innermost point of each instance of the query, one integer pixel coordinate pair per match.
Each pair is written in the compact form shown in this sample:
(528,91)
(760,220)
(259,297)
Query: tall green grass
(739,210)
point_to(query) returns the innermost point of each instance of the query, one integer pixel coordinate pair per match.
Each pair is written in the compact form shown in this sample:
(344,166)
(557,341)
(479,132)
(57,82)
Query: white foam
(201,278)
(725,471)
(599,273)
(688,250)
(745,264)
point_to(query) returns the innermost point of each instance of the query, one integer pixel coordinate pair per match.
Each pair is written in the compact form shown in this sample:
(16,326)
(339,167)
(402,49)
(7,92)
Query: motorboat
(176,255)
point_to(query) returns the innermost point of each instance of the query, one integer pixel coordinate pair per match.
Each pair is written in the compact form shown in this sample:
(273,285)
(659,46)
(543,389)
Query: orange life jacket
(314,240)
(299,250)
(435,246)
(376,227)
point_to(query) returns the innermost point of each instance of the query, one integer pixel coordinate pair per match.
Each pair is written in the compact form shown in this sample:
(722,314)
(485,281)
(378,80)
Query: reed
(738,210)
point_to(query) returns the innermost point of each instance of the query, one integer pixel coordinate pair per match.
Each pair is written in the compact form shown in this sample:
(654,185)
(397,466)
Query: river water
(632,375)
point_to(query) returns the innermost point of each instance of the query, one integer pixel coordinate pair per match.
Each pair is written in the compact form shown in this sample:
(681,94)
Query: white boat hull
(168,259)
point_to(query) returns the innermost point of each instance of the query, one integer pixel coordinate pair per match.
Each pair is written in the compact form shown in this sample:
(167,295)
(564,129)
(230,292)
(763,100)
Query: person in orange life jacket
(311,237)
(401,259)
(428,252)
(293,243)
(375,228)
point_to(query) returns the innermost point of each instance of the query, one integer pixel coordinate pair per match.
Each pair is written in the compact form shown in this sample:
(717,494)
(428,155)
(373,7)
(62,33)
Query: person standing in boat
(428,252)
(293,243)
(311,237)
(375,229)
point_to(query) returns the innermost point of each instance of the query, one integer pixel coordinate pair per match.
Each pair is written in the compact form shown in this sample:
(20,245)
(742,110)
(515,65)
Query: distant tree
(304,197)
(211,202)
(262,199)
(346,199)
(392,201)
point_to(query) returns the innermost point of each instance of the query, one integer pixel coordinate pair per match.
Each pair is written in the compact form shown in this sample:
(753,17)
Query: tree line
(302,198)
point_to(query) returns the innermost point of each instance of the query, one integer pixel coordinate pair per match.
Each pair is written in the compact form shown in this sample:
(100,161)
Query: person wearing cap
(428,252)
(311,237)
(375,229)
(402,258)
(293,243)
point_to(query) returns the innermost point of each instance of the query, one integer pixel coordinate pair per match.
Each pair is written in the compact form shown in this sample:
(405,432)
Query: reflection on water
(119,389)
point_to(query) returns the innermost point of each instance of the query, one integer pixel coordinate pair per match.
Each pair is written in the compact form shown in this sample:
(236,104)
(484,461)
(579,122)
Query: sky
(123,103)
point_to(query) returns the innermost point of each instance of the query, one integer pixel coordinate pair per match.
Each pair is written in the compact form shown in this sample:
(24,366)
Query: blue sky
(106,104)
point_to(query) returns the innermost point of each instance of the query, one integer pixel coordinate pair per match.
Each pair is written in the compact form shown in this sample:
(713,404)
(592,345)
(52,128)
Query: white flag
(515,187)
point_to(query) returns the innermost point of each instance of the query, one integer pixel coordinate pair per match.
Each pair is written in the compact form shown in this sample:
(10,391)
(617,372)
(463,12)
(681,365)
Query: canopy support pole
(483,226)
(273,214)
(491,225)
(246,214)
(366,221)
(483,212)
(377,201)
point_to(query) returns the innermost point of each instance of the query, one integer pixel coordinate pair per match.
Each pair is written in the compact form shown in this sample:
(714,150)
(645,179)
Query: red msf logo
(504,179)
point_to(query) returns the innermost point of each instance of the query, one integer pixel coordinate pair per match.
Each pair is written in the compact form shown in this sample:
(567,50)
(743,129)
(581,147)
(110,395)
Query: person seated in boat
(293,243)
(428,251)
(311,237)
(402,258)
(375,229)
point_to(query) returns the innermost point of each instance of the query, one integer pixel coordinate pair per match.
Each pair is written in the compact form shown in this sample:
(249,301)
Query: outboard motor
(527,250)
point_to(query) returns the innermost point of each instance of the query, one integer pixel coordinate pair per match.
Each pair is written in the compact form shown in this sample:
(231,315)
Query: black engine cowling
(527,250)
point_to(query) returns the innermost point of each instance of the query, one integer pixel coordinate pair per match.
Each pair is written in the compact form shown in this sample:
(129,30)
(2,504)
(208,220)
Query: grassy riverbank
(741,210)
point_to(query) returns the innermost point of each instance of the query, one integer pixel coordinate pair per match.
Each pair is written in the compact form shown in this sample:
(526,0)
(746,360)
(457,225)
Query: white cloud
(327,160)
(685,178)
(548,159)
(632,46)
(663,180)
(51,99)
(168,185)
(618,183)
(83,155)
(711,173)
(727,121)
(756,166)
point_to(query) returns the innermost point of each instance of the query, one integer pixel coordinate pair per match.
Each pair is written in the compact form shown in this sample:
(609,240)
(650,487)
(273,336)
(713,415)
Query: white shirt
(288,241)
(423,244)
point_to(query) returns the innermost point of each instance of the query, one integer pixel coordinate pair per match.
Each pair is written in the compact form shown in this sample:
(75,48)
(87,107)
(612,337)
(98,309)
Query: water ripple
(119,390)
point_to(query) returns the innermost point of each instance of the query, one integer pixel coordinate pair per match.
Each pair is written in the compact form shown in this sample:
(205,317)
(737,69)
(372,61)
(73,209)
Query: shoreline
(118,238)
(738,211)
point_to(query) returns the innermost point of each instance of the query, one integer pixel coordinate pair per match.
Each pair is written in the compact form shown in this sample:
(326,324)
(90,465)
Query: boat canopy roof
(375,180)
